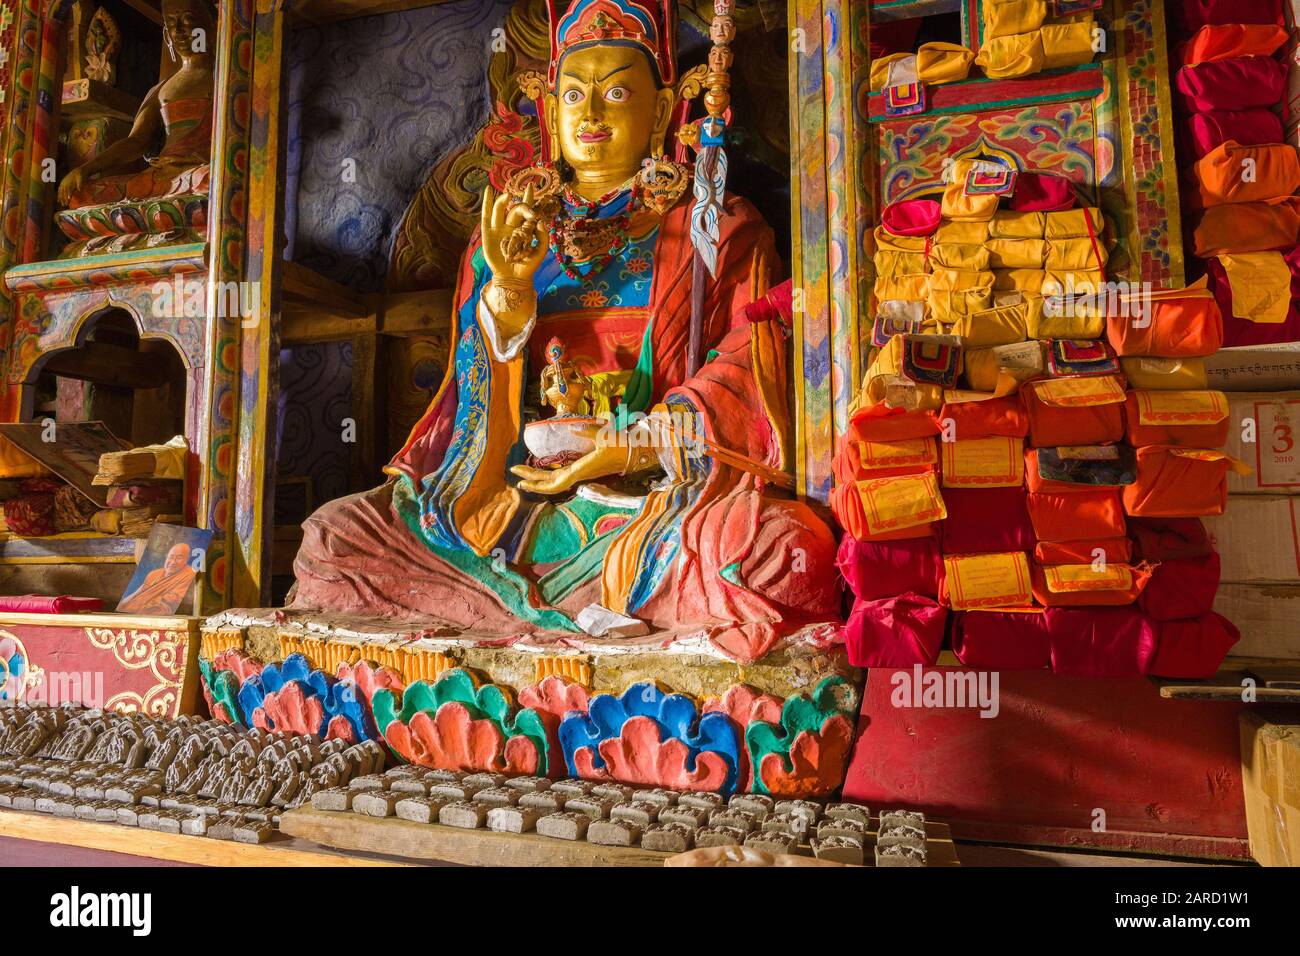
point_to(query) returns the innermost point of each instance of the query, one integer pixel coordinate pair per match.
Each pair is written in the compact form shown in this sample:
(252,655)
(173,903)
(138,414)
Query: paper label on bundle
(1065,578)
(897,454)
(1020,355)
(988,580)
(1080,392)
(891,504)
(1197,407)
(997,462)
(1088,452)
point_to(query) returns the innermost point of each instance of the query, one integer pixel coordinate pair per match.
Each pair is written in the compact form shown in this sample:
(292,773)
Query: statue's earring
(662,181)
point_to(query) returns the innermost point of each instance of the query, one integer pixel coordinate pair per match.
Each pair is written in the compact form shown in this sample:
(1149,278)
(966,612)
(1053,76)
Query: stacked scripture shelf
(1239,192)
(1003,491)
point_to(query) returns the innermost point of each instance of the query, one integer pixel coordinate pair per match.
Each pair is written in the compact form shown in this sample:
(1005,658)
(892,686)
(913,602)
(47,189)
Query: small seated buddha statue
(181,107)
(672,515)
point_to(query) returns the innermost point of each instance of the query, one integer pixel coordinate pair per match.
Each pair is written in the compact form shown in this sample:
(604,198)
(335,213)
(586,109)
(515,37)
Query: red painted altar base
(1167,773)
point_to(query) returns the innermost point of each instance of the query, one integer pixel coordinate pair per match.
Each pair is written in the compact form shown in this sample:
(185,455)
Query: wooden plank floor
(175,848)
(431,841)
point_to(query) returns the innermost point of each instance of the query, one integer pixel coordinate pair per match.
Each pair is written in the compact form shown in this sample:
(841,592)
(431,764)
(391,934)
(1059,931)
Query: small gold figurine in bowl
(554,442)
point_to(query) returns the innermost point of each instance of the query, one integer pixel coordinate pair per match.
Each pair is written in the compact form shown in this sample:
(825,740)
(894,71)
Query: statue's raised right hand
(515,238)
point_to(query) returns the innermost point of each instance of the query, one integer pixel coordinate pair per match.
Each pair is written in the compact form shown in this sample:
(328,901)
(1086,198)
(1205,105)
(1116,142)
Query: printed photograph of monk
(164,579)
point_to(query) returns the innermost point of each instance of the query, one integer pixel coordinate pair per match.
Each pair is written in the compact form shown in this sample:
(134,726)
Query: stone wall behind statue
(394,94)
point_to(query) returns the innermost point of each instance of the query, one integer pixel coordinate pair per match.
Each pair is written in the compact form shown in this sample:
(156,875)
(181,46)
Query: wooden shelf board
(390,836)
(202,851)
(304,284)
(417,313)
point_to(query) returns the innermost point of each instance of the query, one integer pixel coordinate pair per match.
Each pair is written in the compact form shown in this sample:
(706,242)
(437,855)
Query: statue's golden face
(181,20)
(607,112)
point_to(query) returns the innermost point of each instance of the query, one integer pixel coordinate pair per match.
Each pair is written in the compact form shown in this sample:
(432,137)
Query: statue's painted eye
(572,97)
(617,94)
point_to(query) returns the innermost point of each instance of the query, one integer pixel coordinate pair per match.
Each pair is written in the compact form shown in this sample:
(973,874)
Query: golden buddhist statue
(670,515)
(180,106)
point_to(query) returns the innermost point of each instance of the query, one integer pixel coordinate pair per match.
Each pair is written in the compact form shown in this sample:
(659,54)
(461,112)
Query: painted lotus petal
(369,677)
(224,689)
(384,706)
(522,757)
(237,662)
(339,728)
(452,740)
(673,717)
(251,694)
(343,702)
(291,710)
(744,704)
(815,764)
(641,756)
(555,695)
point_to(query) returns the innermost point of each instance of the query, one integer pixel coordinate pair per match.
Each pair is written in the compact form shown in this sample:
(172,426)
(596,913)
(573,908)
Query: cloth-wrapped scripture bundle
(959,203)
(1197,419)
(1042,192)
(1101,641)
(1191,15)
(1164,374)
(1248,227)
(986,519)
(1002,640)
(888,509)
(938,63)
(1087,585)
(895,632)
(986,581)
(881,459)
(996,462)
(1067,44)
(1193,648)
(1206,131)
(1233,173)
(1169,539)
(40,604)
(1241,83)
(1184,587)
(1074,494)
(1254,286)
(1239,333)
(1007,57)
(875,569)
(1001,18)
(1181,323)
(1222,41)
(985,419)
(1085,551)
(1178,482)
(1084,410)
(911,217)
(1068,516)
(882,423)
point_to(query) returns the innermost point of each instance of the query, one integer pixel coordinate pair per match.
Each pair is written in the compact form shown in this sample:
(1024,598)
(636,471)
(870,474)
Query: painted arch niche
(138,385)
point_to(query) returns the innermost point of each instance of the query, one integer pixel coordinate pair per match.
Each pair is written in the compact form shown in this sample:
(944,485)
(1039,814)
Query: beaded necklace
(575,236)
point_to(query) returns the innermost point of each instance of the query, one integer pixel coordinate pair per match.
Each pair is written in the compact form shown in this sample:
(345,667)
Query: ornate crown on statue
(650,24)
